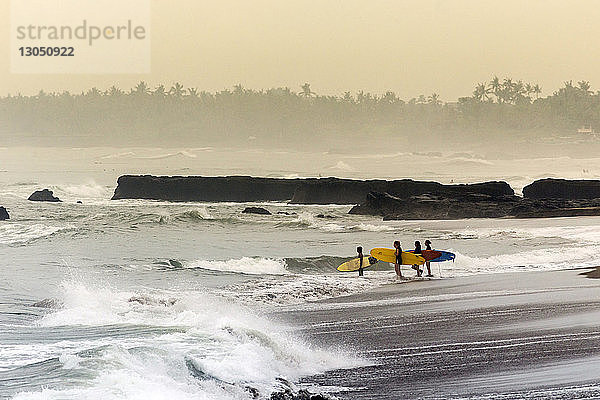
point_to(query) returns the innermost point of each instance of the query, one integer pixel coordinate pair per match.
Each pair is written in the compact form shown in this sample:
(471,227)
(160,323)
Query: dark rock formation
(469,205)
(300,191)
(256,210)
(43,195)
(325,216)
(302,394)
(198,188)
(347,191)
(48,303)
(562,189)
(3,214)
(147,300)
(286,213)
(593,274)
(547,208)
(472,206)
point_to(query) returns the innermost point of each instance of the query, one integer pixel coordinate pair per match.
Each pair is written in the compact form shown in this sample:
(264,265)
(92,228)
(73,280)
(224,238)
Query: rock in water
(44,195)
(300,191)
(256,210)
(562,189)
(3,214)
(48,303)
(325,216)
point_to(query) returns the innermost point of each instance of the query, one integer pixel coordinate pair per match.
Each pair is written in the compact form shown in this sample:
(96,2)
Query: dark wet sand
(517,335)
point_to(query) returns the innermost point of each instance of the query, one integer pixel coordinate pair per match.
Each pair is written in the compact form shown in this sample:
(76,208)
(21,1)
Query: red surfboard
(429,254)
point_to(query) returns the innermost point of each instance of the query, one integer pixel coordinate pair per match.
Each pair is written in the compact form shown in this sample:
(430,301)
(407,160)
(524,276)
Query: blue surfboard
(446,256)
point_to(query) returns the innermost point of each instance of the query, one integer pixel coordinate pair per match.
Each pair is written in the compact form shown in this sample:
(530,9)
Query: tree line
(143,114)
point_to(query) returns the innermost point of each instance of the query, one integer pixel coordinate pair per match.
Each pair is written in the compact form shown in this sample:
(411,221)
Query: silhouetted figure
(418,251)
(428,247)
(360,263)
(398,254)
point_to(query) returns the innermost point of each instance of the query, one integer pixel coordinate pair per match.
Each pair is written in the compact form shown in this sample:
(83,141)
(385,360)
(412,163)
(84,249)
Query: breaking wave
(194,346)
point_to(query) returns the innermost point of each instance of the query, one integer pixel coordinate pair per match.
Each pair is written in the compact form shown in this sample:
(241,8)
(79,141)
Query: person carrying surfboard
(417,251)
(360,257)
(427,263)
(398,262)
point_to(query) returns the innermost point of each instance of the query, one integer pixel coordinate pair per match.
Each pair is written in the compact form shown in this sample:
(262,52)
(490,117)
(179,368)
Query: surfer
(418,251)
(360,257)
(398,262)
(428,264)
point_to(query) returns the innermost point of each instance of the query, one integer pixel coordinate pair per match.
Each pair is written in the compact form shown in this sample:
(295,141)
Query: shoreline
(499,335)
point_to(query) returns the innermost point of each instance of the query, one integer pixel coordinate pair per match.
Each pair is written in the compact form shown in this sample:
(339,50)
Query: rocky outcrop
(299,191)
(44,195)
(3,214)
(472,206)
(548,208)
(256,210)
(428,206)
(562,189)
(198,188)
(347,191)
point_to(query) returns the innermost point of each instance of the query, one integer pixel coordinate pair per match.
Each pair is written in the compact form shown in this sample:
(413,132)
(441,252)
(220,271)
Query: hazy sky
(410,47)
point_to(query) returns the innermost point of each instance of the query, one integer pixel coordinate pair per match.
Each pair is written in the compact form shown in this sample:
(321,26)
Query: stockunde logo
(80,36)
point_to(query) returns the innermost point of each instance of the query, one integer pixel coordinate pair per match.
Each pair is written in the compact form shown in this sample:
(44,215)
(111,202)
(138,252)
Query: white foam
(244,265)
(373,228)
(298,289)
(13,233)
(89,190)
(533,260)
(342,166)
(227,342)
(119,155)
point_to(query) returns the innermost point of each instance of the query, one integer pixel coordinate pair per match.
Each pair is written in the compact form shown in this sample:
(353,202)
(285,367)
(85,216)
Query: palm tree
(389,97)
(584,86)
(238,89)
(421,99)
(434,99)
(160,91)
(140,89)
(496,87)
(348,97)
(177,90)
(114,91)
(306,92)
(481,92)
(93,92)
(537,90)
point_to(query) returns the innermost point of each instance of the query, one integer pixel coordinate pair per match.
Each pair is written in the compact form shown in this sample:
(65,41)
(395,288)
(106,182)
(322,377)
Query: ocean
(144,299)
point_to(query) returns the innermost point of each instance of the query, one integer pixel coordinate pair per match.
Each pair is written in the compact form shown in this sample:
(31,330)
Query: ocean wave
(533,260)
(118,155)
(193,215)
(244,265)
(17,233)
(305,288)
(581,234)
(182,154)
(90,190)
(195,345)
(341,166)
(337,223)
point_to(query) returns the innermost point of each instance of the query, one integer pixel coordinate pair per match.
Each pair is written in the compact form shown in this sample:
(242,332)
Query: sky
(409,47)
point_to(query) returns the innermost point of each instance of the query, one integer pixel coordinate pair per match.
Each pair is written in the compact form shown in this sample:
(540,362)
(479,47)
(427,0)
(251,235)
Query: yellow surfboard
(389,255)
(354,265)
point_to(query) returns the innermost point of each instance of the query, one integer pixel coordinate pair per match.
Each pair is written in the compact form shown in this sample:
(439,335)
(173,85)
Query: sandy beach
(508,335)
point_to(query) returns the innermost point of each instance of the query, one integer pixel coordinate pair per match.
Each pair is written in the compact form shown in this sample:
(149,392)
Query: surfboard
(429,255)
(389,255)
(446,256)
(354,265)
